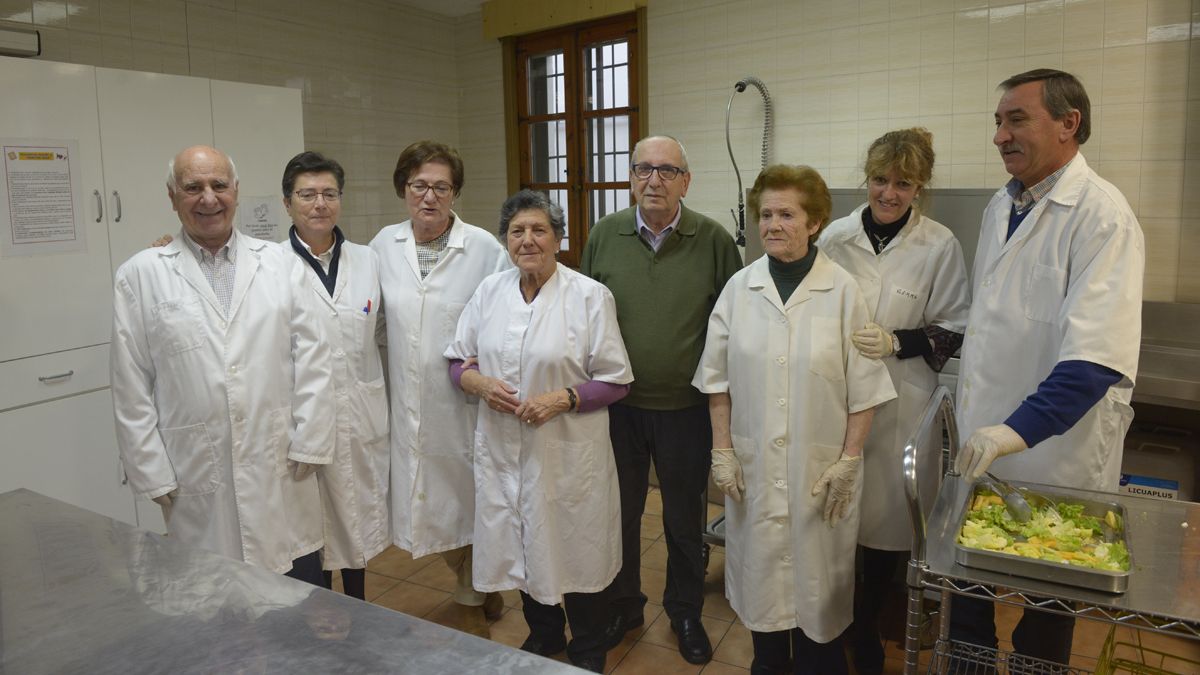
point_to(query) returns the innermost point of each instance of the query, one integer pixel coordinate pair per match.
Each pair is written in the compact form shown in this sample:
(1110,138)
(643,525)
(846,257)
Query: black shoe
(628,623)
(693,641)
(614,632)
(592,662)
(544,647)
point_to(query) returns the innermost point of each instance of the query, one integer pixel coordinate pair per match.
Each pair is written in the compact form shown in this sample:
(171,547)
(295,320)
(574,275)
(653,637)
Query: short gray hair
(529,199)
(658,137)
(171,184)
(1062,92)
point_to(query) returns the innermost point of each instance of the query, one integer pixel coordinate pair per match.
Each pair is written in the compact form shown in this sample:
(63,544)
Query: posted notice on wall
(41,200)
(262,217)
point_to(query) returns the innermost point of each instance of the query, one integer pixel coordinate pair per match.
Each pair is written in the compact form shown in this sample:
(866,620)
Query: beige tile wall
(843,71)
(375,76)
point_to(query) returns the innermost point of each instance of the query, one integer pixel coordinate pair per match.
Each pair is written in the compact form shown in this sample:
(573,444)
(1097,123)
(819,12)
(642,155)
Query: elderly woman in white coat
(791,402)
(429,266)
(550,360)
(911,272)
(341,281)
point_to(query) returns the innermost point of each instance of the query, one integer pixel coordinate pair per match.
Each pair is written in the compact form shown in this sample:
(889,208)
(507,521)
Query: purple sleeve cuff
(456,371)
(594,395)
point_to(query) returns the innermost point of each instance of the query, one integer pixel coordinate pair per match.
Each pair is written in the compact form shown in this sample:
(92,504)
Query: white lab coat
(918,280)
(354,486)
(547,509)
(433,427)
(214,406)
(1066,286)
(793,377)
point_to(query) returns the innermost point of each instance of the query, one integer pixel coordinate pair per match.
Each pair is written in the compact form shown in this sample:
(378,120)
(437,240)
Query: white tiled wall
(843,71)
(375,76)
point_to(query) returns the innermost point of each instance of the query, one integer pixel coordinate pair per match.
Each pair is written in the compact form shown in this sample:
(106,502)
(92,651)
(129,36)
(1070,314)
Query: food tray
(1060,573)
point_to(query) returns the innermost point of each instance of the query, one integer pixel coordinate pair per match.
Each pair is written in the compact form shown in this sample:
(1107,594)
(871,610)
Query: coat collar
(404,237)
(819,279)
(247,251)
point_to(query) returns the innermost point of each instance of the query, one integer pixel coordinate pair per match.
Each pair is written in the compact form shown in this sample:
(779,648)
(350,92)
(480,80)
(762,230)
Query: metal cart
(1163,595)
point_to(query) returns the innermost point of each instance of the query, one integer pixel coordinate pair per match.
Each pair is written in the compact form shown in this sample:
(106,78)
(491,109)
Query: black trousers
(878,568)
(1038,634)
(587,613)
(791,651)
(354,582)
(308,568)
(679,442)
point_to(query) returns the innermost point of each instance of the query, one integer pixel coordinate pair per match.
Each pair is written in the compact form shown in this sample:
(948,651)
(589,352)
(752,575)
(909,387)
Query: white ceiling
(451,8)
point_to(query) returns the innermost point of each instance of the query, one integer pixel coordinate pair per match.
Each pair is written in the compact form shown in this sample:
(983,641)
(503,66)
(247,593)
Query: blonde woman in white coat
(340,280)
(911,272)
(791,402)
(430,266)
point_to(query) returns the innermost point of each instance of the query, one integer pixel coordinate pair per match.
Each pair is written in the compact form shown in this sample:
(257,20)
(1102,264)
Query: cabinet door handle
(50,378)
(119,210)
(99,206)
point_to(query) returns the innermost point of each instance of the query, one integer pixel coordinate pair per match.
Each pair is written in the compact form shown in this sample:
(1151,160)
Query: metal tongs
(1017,507)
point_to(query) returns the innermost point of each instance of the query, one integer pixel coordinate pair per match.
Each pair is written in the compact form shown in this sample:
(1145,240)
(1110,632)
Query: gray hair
(171,184)
(1061,93)
(659,137)
(527,200)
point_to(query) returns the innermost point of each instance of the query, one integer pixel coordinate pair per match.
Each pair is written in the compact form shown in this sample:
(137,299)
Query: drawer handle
(99,205)
(44,379)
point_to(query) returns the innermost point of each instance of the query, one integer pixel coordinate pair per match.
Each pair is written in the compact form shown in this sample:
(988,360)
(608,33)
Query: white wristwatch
(895,344)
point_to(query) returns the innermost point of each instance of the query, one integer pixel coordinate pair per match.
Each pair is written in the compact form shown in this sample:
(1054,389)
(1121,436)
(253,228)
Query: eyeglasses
(310,196)
(441,190)
(665,171)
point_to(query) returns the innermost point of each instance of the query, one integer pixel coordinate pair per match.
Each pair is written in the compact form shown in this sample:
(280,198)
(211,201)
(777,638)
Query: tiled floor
(422,588)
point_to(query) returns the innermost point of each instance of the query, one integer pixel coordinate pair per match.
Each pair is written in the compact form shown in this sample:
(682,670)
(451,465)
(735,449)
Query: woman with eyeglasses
(429,267)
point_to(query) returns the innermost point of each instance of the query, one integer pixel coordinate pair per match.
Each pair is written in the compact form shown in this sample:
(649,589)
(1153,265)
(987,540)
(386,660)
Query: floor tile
(718,668)
(654,502)
(655,557)
(398,564)
(648,659)
(652,525)
(511,629)
(411,598)
(437,575)
(735,648)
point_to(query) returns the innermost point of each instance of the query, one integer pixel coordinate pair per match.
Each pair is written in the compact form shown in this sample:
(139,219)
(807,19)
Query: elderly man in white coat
(341,280)
(1052,340)
(219,382)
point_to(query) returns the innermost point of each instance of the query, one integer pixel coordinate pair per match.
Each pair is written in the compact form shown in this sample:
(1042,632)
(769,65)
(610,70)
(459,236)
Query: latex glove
(727,473)
(985,446)
(300,470)
(167,499)
(872,341)
(840,484)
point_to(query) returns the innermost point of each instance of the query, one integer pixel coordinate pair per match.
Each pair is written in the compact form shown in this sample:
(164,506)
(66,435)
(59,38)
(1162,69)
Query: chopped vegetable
(1060,533)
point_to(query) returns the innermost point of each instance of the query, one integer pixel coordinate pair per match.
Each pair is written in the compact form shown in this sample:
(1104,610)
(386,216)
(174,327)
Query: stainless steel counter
(1165,582)
(83,593)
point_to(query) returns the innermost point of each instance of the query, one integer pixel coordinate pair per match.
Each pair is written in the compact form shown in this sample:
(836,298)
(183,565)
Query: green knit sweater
(663,299)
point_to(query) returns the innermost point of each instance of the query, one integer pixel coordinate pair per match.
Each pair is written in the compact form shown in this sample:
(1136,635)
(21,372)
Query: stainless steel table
(80,592)
(1163,593)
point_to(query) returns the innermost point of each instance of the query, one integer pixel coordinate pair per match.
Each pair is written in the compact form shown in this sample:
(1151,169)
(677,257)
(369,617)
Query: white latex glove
(300,470)
(985,446)
(840,484)
(167,499)
(727,473)
(872,341)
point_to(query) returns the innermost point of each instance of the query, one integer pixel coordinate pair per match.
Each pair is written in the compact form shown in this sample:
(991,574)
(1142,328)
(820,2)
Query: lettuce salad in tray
(1059,533)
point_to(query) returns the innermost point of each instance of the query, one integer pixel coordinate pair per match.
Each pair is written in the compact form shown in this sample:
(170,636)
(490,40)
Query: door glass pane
(547,90)
(606,75)
(608,149)
(548,151)
(604,202)
(560,197)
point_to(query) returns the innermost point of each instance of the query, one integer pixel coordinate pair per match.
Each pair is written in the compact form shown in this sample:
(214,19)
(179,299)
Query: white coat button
(780,484)
(232,370)
(223,325)
(333,314)
(421,496)
(339,353)
(781,360)
(237,418)
(787,558)
(781,520)
(779,442)
(782,402)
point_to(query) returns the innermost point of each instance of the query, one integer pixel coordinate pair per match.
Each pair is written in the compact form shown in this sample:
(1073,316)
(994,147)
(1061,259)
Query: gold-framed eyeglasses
(666,172)
(440,190)
(310,196)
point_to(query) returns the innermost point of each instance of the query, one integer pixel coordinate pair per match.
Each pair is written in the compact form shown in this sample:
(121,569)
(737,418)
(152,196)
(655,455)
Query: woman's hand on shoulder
(544,407)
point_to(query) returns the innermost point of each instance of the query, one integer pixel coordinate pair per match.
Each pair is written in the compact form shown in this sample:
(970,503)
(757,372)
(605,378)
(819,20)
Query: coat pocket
(825,349)
(194,458)
(1045,289)
(278,435)
(573,469)
(178,325)
(370,412)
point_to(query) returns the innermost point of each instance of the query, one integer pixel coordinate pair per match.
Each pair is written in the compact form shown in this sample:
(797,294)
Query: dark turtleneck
(788,275)
(879,234)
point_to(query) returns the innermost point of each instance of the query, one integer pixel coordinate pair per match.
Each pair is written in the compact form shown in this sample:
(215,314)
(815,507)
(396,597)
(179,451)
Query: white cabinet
(56,422)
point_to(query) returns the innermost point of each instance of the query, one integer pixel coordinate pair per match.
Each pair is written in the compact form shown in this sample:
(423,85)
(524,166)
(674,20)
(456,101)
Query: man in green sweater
(665,265)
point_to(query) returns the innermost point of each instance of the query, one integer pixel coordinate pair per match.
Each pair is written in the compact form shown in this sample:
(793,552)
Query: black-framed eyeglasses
(666,172)
(310,196)
(441,190)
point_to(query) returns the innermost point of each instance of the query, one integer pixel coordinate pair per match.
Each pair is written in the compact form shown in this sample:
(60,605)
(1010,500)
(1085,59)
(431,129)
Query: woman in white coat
(791,402)
(429,266)
(550,360)
(911,272)
(340,280)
